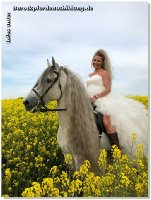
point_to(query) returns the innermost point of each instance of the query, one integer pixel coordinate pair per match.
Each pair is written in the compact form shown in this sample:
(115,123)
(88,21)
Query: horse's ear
(54,64)
(53,61)
(48,63)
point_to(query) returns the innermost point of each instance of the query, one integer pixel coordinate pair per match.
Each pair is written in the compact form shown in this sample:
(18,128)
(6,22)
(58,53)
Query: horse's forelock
(45,73)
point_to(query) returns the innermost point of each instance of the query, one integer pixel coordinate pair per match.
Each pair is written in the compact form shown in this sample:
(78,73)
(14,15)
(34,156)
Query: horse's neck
(62,103)
(62,115)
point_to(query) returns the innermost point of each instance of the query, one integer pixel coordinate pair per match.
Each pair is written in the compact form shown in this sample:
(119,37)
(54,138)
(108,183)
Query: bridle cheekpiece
(41,105)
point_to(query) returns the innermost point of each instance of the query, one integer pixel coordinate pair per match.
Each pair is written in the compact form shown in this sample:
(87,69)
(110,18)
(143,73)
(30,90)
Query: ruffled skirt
(127,116)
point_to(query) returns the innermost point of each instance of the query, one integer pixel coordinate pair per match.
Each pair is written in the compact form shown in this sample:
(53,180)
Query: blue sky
(121,28)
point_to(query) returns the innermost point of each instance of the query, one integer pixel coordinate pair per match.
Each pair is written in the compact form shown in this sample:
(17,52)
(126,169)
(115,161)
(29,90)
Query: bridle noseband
(41,105)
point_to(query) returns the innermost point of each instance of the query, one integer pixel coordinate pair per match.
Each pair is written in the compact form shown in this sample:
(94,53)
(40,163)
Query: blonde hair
(106,61)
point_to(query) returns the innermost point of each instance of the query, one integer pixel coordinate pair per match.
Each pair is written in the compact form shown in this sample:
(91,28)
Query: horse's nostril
(26,103)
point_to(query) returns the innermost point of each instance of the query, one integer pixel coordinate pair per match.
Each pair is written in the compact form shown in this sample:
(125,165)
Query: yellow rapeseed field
(33,165)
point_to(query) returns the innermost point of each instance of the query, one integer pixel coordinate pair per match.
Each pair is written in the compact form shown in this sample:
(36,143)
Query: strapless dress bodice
(94,85)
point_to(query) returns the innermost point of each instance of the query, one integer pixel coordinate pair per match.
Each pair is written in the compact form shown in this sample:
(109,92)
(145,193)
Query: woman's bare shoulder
(104,72)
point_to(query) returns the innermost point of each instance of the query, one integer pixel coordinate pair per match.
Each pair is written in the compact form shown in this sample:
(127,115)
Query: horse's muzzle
(30,103)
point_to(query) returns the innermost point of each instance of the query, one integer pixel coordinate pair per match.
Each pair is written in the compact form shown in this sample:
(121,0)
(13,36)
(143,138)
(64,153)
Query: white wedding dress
(127,116)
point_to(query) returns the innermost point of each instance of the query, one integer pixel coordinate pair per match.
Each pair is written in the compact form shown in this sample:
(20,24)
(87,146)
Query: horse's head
(46,89)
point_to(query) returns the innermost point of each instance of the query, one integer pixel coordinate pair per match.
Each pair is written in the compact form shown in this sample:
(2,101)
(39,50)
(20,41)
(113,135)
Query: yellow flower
(8,173)
(140,163)
(102,159)
(124,159)
(139,187)
(49,189)
(124,180)
(53,170)
(64,179)
(64,194)
(84,168)
(47,185)
(28,147)
(55,192)
(68,159)
(77,185)
(116,152)
(139,150)
(133,136)
(108,179)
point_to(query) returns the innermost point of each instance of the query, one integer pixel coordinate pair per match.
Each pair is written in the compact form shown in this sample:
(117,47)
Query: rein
(45,109)
(41,105)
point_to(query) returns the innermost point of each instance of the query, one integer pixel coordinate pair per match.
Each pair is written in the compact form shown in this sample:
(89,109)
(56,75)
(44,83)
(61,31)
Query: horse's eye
(48,80)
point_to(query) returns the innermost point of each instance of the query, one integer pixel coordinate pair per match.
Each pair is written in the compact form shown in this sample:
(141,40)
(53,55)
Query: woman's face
(97,62)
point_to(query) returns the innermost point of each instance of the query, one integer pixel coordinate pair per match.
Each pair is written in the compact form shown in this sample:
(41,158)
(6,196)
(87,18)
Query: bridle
(41,105)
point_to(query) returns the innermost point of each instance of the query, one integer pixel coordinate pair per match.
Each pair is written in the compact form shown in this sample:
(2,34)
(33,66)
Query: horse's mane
(83,137)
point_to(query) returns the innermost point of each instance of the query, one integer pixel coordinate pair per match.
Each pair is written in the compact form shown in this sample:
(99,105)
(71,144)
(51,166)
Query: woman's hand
(93,99)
